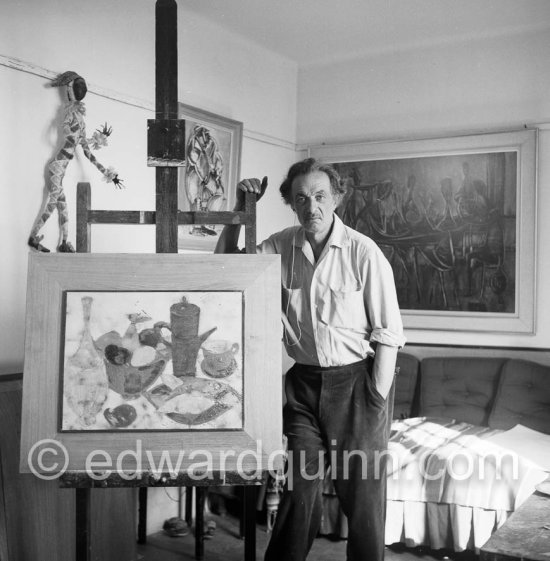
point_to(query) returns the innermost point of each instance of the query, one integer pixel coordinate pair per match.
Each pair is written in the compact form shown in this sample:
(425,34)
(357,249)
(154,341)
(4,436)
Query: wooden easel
(166,135)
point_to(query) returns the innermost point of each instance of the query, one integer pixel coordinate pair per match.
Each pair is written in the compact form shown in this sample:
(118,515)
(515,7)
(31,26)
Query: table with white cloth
(449,485)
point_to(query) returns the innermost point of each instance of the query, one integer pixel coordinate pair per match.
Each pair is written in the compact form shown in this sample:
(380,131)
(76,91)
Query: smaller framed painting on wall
(208,180)
(144,353)
(456,218)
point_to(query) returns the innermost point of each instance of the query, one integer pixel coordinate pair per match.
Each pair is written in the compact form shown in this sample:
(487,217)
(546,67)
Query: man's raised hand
(251,185)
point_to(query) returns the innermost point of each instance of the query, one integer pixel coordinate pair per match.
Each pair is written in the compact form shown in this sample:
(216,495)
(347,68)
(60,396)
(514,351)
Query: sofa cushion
(462,388)
(405,384)
(523,397)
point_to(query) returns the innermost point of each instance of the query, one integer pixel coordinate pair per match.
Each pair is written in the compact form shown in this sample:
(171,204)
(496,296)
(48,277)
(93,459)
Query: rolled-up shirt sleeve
(267,247)
(385,323)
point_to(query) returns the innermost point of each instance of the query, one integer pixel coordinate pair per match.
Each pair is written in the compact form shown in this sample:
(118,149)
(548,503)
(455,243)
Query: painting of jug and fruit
(152,361)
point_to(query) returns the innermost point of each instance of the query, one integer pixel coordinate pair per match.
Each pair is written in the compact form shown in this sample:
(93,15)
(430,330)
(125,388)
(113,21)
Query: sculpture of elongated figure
(74,130)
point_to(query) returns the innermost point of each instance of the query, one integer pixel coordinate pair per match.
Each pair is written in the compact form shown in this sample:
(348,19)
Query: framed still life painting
(456,218)
(166,349)
(209,177)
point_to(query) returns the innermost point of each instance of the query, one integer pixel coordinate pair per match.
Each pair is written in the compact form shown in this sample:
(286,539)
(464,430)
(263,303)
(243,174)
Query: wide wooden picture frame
(456,218)
(207,181)
(152,363)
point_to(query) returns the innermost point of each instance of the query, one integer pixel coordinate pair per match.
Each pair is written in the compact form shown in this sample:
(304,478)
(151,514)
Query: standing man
(343,328)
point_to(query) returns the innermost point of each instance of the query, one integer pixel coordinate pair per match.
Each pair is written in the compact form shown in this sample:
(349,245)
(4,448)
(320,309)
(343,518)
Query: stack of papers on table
(528,443)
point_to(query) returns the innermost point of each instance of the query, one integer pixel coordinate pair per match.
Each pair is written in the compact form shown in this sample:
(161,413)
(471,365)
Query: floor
(225,544)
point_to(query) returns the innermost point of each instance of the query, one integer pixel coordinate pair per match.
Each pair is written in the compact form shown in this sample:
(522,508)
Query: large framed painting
(456,218)
(161,353)
(212,168)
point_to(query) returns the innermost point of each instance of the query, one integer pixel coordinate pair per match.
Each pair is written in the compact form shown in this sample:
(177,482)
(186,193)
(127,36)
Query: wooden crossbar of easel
(86,216)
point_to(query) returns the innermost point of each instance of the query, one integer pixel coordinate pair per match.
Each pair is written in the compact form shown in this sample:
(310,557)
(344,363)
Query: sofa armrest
(523,397)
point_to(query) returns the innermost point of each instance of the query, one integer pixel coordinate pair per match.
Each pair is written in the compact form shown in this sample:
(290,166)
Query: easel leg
(199,522)
(249,523)
(189,506)
(142,520)
(83,549)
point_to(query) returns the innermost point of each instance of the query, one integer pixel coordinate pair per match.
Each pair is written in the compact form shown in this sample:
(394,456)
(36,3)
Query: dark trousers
(333,416)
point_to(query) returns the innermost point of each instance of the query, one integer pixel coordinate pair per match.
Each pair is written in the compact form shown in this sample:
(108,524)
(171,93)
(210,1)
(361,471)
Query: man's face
(313,201)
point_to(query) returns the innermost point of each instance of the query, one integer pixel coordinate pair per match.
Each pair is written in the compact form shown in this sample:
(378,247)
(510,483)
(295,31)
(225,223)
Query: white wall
(473,86)
(501,83)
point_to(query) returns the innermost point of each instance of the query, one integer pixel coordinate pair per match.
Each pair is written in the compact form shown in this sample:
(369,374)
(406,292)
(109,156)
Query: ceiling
(320,31)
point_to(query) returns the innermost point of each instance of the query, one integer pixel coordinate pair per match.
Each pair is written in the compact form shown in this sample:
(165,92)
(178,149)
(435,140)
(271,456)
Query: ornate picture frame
(71,377)
(456,218)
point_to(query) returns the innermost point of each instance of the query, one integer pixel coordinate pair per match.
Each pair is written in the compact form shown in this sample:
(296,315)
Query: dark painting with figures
(447,225)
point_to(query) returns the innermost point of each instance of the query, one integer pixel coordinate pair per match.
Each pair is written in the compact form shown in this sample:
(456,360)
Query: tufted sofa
(495,392)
